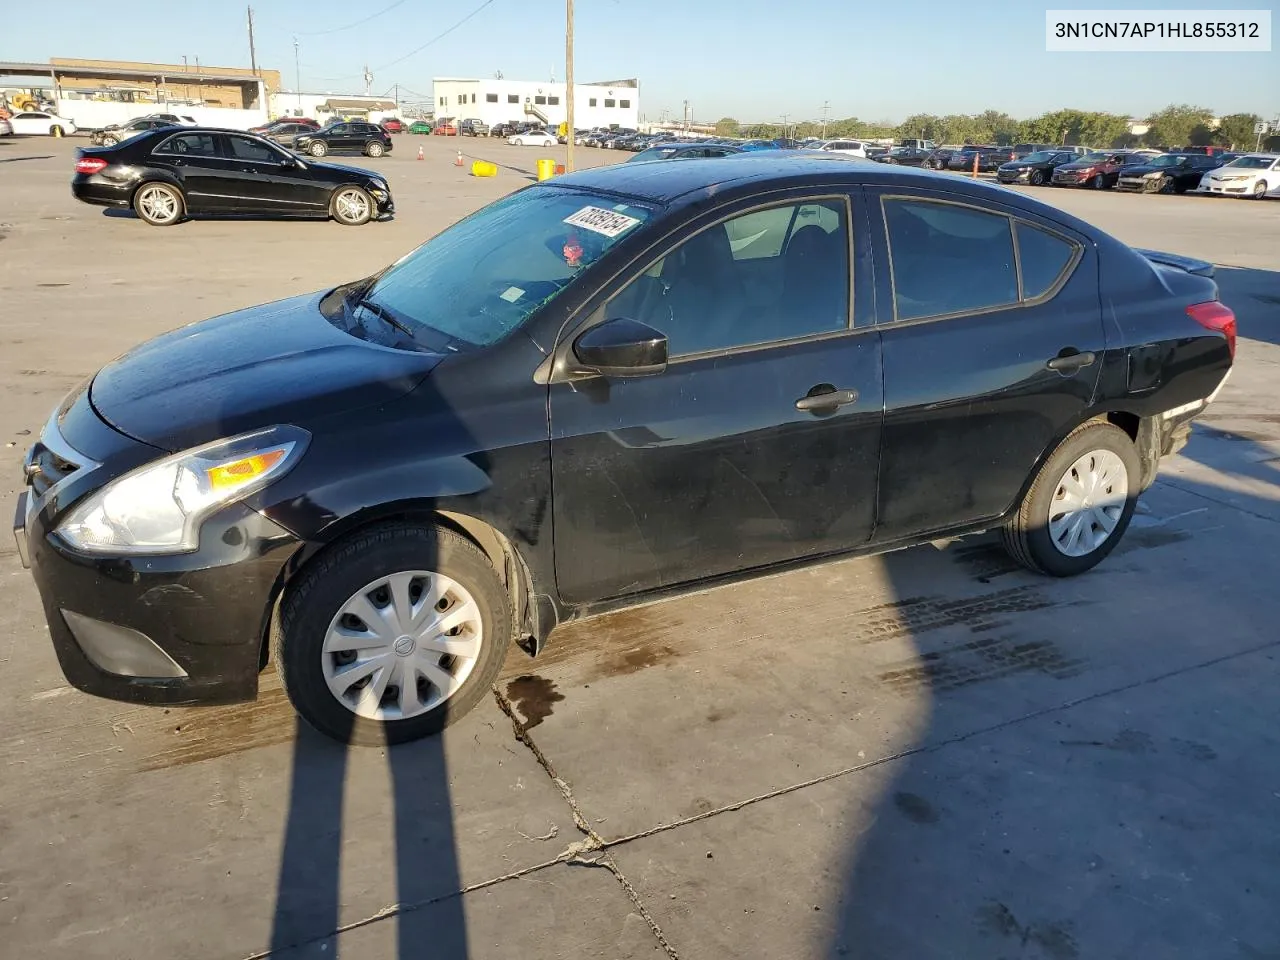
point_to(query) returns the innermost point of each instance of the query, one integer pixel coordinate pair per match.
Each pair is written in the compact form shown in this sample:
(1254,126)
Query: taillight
(90,165)
(1215,315)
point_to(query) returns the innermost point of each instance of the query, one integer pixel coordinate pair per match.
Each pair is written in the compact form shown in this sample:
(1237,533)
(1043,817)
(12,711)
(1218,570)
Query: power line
(372,16)
(439,36)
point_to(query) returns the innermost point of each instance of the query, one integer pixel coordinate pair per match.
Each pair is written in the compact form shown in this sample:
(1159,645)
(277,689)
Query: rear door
(208,181)
(730,458)
(992,336)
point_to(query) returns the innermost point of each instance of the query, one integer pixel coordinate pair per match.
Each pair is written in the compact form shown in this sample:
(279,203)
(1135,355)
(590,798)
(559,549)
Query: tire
(421,557)
(109,141)
(1099,182)
(1165,185)
(318,148)
(1260,190)
(374,149)
(1037,178)
(1031,537)
(159,204)
(351,206)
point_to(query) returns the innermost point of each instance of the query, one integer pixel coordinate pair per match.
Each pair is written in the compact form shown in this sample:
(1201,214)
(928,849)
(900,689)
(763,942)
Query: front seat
(815,282)
(704,294)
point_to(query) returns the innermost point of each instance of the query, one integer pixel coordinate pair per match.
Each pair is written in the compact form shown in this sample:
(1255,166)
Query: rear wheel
(159,204)
(374,149)
(352,206)
(1079,505)
(318,149)
(392,635)
(1260,190)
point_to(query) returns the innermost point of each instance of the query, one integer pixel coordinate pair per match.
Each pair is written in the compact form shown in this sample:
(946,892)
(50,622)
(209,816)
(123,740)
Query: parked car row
(1252,175)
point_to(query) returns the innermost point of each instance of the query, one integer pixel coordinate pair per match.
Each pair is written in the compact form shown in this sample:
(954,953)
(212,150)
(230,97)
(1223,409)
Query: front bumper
(184,628)
(1137,185)
(1021,176)
(1228,188)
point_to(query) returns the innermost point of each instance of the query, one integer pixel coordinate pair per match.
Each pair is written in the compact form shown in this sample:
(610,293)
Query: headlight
(160,507)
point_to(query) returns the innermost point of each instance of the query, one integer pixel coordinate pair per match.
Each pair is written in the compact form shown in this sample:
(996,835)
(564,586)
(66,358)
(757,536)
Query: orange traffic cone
(419,153)
(458,162)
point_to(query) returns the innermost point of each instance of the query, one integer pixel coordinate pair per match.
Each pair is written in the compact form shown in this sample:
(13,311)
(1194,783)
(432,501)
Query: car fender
(158,175)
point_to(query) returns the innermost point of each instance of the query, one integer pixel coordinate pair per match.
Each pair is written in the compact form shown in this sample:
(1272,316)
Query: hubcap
(352,205)
(1088,503)
(158,204)
(402,645)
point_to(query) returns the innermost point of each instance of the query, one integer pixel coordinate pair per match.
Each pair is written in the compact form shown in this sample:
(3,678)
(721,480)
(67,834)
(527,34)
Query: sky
(754,60)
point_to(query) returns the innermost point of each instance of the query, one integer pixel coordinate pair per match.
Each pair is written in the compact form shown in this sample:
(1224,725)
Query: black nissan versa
(614,385)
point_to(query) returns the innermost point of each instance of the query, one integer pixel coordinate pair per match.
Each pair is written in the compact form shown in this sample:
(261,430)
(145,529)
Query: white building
(328,106)
(611,104)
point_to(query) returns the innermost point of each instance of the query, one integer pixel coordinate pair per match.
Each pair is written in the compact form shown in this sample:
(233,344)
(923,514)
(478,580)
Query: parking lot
(926,754)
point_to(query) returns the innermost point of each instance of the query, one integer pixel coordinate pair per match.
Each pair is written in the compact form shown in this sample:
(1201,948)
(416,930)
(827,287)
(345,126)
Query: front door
(274,181)
(989,357)
(208,180)
(726,460)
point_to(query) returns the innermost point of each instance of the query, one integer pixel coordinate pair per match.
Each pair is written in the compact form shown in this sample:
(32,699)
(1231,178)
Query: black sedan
(168,174)
(1035,168)
(1168,173)
(346,137)
(681,368)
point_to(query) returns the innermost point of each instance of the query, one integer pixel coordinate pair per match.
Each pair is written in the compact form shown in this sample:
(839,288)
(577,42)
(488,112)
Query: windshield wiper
(384,314)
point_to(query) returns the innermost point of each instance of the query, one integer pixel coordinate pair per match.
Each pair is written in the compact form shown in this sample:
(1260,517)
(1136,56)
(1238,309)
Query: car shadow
(1020,822)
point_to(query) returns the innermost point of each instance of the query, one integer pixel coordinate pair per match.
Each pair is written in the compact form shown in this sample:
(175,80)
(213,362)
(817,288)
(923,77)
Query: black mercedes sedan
(615,385)
(1035,168)
(169,174)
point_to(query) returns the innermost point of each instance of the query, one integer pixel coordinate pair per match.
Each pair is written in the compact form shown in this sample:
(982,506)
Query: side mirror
(622,348)
(288,162)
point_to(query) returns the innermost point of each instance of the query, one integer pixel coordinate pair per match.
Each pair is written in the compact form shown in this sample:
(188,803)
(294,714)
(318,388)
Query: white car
(533,138)
(852,148)
(6,128)
(1254,175)
(45,124)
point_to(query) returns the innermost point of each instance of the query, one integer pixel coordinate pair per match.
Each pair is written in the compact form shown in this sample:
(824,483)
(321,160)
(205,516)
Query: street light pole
(825,105)
(297,74)
(568,86)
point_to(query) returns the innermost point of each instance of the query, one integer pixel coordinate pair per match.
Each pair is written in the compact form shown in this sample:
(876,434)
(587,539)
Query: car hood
(342,171)
(1226,171)
(1081,165)
(1142,169)
(282,362)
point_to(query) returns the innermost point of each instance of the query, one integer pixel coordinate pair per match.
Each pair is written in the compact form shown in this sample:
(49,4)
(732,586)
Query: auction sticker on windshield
(609,223)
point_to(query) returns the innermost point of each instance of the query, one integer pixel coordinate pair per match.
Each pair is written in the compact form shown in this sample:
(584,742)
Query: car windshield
(1252,163)
(1168,160)
(483,277)
(653,153)
(1096,157)
(1040,156)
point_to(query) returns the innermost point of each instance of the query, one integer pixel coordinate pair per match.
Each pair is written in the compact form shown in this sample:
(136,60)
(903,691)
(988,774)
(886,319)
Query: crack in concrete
(578,853)
(1173,482)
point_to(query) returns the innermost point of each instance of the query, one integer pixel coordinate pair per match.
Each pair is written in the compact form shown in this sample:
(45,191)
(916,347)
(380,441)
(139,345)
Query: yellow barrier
(546,169)
(483,168)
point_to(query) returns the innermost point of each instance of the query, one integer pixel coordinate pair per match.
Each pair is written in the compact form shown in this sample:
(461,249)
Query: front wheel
(392,635)
(352,206)
(109,141)
(1165,185)
(1079,505)
(159,204)
(318,149)
(1260,190)
(1099,182)
(374,149)
(1037,178)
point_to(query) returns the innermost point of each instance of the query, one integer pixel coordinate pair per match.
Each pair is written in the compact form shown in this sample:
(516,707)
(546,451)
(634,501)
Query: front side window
(340,129)
(483,277)
(189,144)
(948,258)
(242,148)
(769,275)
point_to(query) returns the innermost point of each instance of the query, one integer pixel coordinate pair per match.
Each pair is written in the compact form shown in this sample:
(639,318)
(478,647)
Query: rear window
(189,144)
(948,259)
(1043,258)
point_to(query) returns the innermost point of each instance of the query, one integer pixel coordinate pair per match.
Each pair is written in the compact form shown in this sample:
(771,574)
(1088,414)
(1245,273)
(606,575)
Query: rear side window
(189,144)
(1043,258)
(948,258)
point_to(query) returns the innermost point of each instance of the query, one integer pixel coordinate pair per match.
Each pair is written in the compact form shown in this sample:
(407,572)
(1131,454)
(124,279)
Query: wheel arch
(168,179)
(534,613)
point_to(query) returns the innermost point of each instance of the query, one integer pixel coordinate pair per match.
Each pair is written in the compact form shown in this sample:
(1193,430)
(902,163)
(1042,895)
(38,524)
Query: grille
(45,468)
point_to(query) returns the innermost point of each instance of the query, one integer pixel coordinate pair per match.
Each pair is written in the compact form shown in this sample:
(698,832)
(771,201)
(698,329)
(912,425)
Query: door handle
(828,399)
(1069,362)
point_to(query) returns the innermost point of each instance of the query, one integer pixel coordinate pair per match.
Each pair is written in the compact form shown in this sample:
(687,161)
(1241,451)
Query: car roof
(668,183)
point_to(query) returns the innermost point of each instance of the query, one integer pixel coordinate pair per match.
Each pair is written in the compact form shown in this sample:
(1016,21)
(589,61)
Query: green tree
(726,127)
(1102,130)
(924,126)
(1236,130)
(1173,126)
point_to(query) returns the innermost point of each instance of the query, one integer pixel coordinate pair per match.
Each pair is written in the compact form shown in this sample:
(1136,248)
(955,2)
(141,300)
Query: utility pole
(297,74)
(825,105)
(686,116)
(199,83)
(253,56)
(784,125)
(568,86)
